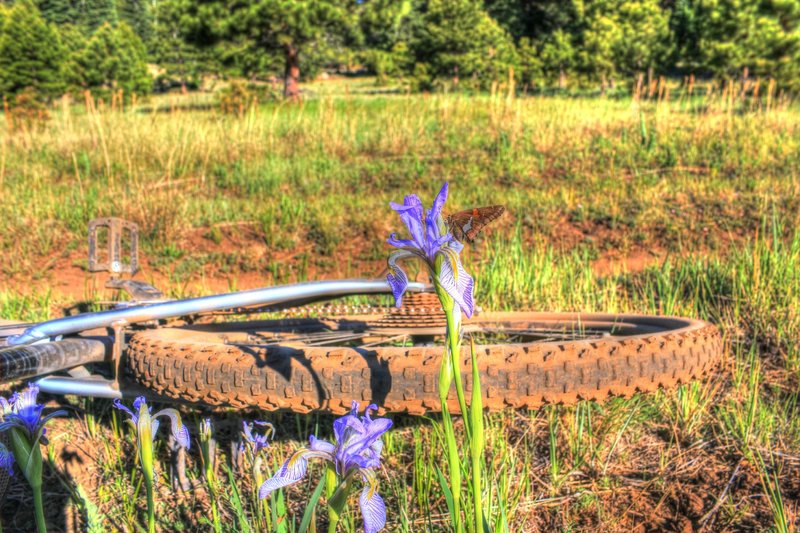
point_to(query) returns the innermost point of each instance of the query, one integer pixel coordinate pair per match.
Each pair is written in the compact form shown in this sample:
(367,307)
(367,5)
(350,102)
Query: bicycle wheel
(525,359)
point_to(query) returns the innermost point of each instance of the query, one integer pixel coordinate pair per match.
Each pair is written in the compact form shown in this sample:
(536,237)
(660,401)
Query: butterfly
(465,225)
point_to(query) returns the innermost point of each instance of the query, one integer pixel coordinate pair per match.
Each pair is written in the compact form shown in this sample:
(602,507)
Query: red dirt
(68,279)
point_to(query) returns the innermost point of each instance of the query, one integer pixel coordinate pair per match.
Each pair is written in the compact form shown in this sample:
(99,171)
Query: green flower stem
(29,458)
(211,481)
(454,341)
(453,465)
(258,477)
(453,461)
(453,316)
(151,505)
(478,441)
(449,373)
(207,451)
(38,507)
(146,458)
(337,497)
(215,513)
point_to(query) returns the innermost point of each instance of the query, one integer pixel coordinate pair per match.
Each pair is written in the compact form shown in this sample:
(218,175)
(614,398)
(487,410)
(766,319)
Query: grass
(686,207)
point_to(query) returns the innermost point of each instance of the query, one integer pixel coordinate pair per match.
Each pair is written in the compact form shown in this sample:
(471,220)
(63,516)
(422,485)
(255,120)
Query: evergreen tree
(178,58)
(58,12)
(288,27)
(115,58)
(685,31)
(94,13)
(530,71)
(30,54)
(133,75)
(626,38)
(728,36)
(137,14)
(443,50)
(73,41)
(558,57)
(387,29)
(536,20)
(384,23)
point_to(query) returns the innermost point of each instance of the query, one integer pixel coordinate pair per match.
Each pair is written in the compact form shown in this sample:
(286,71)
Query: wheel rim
(488,329)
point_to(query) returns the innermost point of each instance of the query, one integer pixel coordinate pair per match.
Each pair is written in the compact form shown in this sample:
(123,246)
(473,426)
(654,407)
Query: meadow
(680,206)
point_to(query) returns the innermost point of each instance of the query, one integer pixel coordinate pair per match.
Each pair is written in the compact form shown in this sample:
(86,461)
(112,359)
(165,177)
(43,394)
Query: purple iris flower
(147,423)
(357,451)
(6,459)
(430,238)
(257,441)
(22,412)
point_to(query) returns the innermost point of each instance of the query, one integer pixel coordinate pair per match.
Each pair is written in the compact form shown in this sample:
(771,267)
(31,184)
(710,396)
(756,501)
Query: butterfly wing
(465,225)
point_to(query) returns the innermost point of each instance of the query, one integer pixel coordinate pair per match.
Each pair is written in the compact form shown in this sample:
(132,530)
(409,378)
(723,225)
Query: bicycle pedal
(116,231)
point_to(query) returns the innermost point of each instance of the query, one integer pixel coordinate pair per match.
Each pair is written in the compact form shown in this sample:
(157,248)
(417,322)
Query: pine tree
(115,58)
(31,56)
(95,13)
(559,57)
(133,76)
(444,51)
(266,27)
(58,12)
(626,38)
(137,14)
(181,60)
(3,17)
(73,41)
(730,37)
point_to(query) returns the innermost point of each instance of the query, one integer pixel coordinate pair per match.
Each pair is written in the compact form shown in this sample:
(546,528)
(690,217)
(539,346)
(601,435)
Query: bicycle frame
(286,295)
(85,384)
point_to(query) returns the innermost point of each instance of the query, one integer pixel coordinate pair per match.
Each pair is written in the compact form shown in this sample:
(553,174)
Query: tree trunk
(291,87)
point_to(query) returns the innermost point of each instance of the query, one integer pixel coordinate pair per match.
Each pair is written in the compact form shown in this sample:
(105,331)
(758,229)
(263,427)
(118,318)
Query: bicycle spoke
(363,336)
(388,340)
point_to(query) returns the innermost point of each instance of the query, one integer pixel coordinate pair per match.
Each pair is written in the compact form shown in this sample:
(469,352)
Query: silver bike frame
(95,386)
(286,295)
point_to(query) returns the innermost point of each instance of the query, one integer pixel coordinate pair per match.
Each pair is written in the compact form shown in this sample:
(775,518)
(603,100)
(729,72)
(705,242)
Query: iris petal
(24,413)
(398,281)
(27,399)
(6,459)
(292,471)
(357,449)
(138,403)
(438,203)
(431,238)
(372,509)
(400,243)
(319,445)
(119,405)
(258,441)
(370,407)
(458,284)
(412,214)
(179,431)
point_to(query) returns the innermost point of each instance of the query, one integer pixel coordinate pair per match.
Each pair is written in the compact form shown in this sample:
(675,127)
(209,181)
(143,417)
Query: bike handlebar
(21,362)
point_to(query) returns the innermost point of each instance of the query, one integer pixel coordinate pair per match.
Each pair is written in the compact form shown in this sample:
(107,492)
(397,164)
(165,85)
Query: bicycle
(333,354)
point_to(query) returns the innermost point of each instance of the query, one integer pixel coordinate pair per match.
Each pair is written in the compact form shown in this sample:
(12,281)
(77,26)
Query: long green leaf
(308,515)
(448,496)
(236,502)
